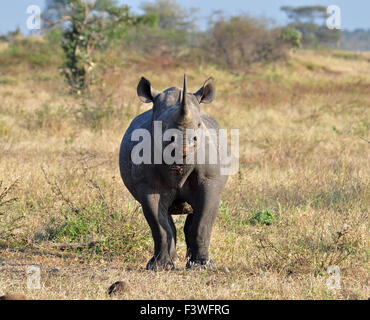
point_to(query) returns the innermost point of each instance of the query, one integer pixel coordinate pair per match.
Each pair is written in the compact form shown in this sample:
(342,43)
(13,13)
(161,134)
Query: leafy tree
(310,22)
(86,25)
(306,14)
(170,33)
(171,15)
(239,41)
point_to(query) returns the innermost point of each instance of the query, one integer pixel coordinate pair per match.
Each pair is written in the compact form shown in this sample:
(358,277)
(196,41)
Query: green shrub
(261,217)
(291,36)
(36,53)
(239,41)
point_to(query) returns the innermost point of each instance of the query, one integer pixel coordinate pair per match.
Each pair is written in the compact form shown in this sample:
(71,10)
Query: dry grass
(298,205)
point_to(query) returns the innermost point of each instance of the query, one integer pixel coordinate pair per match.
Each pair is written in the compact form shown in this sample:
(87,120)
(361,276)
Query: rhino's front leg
(199,228)
(155,207)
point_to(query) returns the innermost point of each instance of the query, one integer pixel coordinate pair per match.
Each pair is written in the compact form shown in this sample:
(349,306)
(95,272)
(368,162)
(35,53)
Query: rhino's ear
(207,93)
(145,91)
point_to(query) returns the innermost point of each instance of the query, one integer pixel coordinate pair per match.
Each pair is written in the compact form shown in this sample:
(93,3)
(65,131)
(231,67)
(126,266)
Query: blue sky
(355,13)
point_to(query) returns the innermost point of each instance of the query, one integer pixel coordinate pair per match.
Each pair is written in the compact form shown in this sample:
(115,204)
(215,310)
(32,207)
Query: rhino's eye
(195,139)
(199,124)
(173,139)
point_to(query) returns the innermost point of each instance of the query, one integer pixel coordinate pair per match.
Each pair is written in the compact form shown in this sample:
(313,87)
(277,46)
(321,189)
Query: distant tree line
(358,40)
(310,21)
(165,28)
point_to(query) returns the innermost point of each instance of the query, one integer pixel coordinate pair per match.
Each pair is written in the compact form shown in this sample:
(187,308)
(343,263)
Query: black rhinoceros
(182,187)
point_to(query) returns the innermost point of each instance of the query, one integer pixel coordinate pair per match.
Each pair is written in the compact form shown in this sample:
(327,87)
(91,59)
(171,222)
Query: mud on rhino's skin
(163,190)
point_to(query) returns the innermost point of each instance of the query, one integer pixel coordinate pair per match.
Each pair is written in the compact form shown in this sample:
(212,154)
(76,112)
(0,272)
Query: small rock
(118,287)
(14,296)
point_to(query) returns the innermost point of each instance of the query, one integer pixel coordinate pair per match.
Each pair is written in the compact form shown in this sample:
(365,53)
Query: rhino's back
(142,121)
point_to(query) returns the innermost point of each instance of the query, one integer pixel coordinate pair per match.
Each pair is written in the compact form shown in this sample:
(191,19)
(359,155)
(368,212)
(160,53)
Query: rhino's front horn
(185,112)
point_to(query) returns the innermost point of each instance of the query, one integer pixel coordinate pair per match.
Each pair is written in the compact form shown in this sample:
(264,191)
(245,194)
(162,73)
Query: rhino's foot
(157,264)
(200,265)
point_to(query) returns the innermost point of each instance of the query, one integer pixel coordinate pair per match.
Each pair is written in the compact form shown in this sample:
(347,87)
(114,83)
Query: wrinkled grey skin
(162,189)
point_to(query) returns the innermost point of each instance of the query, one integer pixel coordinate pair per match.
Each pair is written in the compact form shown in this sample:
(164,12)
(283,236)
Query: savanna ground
(298,204)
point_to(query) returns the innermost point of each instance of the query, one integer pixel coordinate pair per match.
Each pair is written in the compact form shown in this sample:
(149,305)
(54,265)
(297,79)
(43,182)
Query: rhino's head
(177,110)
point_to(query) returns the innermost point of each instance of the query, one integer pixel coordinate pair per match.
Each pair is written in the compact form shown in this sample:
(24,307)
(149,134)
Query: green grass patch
(346,55)
(99,229)
(7,80)
(263,217)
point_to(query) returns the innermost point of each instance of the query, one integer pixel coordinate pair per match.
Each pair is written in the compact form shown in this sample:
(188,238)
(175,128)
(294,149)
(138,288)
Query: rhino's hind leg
(187,229)
(173,253)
